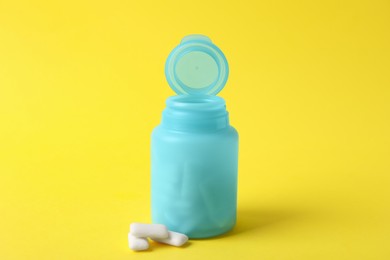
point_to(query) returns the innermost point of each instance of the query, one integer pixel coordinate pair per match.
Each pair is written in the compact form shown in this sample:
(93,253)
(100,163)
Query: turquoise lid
(196,67)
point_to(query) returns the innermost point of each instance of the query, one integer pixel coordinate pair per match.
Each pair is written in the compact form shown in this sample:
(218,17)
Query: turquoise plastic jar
(194,155)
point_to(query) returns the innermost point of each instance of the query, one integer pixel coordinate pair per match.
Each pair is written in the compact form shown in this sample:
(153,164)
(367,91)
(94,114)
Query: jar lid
(196,67)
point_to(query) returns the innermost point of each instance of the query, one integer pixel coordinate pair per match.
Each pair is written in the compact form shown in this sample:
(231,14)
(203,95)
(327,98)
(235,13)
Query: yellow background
(82,86)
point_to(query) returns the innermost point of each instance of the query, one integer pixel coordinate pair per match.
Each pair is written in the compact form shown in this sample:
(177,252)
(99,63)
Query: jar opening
(196,102)
(195,112)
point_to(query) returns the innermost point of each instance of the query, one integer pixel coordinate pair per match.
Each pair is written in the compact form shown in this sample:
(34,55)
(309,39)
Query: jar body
(194,180)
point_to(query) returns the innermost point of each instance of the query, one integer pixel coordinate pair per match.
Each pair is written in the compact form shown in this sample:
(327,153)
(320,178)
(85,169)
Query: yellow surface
(82,86)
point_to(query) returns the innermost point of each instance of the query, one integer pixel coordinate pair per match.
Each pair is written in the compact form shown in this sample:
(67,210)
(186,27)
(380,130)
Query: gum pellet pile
(139,234)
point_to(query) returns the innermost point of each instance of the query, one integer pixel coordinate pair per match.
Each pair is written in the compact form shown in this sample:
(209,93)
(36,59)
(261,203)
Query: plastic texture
(194,167)
(196,67)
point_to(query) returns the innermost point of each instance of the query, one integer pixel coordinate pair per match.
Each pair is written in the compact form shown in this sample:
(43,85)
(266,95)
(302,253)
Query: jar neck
(195,113)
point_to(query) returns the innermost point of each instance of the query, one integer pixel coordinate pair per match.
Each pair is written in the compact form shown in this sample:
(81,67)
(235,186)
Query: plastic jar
(194,150)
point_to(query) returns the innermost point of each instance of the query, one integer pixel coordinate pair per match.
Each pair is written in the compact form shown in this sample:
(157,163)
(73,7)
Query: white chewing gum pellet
(148,230)
(174,239)
(138,243)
